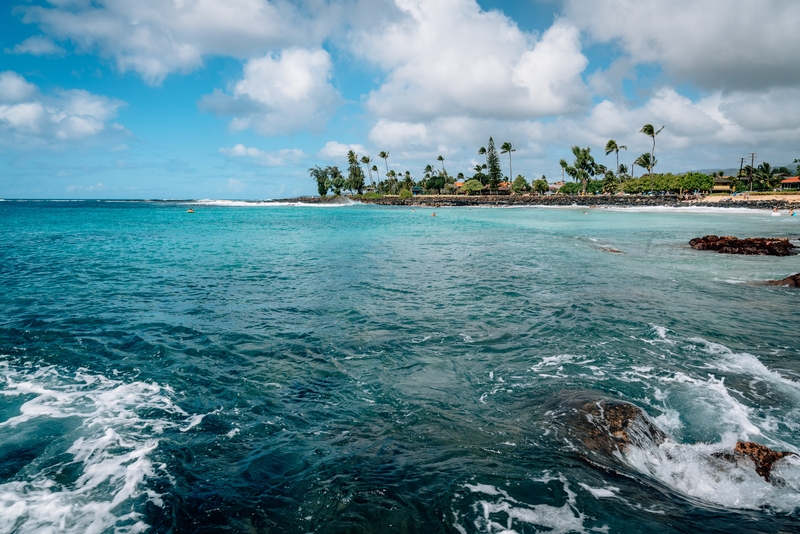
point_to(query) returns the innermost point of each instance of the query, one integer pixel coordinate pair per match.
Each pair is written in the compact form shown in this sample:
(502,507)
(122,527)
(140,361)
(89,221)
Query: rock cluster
(759,246)
(606,426)
(791,281)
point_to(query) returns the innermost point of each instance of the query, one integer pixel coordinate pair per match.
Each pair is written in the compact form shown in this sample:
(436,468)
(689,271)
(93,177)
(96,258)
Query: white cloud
(334,150)
(279,158)
(717,44)
(155,37)
(450,58)
(27,116)
(279,93)
(37,46)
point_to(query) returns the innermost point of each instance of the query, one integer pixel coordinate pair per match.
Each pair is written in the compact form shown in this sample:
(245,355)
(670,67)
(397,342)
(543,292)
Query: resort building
(790,183)
(723,184)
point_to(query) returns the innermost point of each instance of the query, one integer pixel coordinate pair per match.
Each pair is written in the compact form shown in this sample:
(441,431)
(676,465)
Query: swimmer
(190,210)
(412,210)
(434,214)
(585,213)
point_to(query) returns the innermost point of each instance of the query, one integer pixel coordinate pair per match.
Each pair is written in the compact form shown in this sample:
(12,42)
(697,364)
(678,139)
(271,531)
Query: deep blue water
(368,369)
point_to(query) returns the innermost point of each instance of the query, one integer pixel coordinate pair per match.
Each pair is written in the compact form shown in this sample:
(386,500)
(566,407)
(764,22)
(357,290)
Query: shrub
(405,194)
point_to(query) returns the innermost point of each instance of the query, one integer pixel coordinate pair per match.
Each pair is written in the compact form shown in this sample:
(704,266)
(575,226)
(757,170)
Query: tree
(441,158)
(797,170)
(610,183)
(367,160)
(428,172)
(385,156)
(355,175)
(582,168)
(520,184)
(612,146)
(321,176)
(648,129)
(337,180)
(506,148)
(493,165)
(405,194)
(768,177)
(541,186)
(435,182)
(646,161)
(472,186)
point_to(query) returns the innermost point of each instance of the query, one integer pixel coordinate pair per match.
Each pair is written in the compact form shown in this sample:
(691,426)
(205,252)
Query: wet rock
(607,426)
(791,281)
(754,246)
(762,456)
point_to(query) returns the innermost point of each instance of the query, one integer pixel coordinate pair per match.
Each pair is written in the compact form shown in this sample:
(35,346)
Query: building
(723,184)
(792,183)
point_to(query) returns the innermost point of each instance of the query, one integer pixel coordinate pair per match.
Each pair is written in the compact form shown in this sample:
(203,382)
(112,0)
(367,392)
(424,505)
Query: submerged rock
(754,246)
(606,426)
(791,281)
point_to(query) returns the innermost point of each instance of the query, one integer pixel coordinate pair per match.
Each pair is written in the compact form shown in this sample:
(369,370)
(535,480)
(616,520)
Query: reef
(754,246)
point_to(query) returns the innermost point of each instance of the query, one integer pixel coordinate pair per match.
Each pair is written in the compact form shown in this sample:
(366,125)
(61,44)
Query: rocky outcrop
(791,281)
(606,426)
(762,456)
(755,246)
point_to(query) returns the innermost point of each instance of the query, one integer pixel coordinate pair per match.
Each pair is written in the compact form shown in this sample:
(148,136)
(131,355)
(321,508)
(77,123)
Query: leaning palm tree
(648,129)
(367,160)
(583,168)
(612,146)
(506,148)
(385,156)
(441,158)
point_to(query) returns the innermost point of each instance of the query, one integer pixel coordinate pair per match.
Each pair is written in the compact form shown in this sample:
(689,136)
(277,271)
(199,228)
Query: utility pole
(752,163)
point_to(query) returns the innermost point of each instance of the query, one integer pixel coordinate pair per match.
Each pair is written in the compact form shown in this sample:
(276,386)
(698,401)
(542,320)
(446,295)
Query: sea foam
(95,479)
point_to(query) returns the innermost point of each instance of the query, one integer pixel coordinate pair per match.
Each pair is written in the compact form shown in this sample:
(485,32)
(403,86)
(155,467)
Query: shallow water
(364,369)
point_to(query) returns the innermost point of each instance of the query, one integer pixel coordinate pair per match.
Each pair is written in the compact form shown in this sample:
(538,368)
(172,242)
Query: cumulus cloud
(28,116)
(279,93)
(334,150)
(450,58)
(154,38)
(716,44)
(279,158)
(37,46)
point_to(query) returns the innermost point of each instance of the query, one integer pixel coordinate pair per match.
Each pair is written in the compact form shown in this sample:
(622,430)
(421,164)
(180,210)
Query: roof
(791,180)
(458,184)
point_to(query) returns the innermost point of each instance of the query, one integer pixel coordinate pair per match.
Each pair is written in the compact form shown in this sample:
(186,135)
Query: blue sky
(237,99)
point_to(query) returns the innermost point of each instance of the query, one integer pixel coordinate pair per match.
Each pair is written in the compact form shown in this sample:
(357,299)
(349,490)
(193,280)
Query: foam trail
(98,482)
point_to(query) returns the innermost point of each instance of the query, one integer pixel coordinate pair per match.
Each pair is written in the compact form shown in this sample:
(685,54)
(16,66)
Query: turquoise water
(367,369)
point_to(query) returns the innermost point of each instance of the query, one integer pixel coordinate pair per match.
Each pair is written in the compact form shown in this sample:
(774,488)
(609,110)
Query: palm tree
(584,166)
(385,156)
(612,146)
(648,129)
(429,170)
(441,158)
(506,148)
(646,161)
(367,160)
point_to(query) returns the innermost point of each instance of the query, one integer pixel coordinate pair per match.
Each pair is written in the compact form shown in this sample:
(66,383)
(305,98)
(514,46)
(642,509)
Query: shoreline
(762,202)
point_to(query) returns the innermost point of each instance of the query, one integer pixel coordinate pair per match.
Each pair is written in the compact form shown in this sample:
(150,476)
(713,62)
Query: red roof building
(790,183)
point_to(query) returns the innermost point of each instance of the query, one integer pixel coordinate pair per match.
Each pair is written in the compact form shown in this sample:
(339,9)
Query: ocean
(350,368)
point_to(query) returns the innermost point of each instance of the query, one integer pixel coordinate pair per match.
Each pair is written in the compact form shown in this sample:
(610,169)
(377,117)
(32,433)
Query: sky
(237,99)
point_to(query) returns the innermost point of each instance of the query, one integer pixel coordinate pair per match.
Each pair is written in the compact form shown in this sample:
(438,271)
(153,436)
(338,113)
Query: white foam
(500,506)
(112,447)
(693,471)
(600,493)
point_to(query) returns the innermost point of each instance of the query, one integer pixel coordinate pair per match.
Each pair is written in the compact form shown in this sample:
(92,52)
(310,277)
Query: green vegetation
(669,183)
(472,186)
(589,177)
(520,184)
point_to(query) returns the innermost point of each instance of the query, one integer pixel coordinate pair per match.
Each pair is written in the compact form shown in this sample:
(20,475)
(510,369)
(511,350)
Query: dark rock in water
(791,281)
(755,246)
(607,426)
(762,456)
